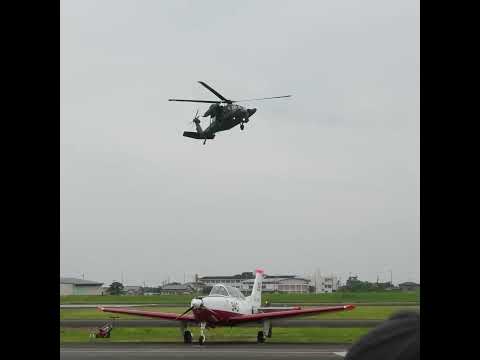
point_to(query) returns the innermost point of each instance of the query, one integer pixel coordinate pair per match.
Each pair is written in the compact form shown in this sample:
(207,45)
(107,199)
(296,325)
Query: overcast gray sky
(327,179)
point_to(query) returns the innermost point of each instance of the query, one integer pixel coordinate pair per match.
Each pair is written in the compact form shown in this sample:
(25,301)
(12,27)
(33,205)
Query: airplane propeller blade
(188,310)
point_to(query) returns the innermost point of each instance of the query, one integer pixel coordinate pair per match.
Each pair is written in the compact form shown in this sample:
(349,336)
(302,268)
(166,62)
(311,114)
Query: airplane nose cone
(251,111)
(196,303)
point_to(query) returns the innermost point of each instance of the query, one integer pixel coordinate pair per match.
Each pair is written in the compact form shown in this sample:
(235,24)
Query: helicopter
(224,115)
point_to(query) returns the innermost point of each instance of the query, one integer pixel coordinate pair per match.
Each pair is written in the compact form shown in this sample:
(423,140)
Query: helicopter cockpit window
(235,292)
(218,290)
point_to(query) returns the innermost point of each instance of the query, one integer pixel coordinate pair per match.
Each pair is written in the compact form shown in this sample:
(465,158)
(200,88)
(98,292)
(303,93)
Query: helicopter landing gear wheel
(201,340)
(187,337)
(242,126)
(260,337)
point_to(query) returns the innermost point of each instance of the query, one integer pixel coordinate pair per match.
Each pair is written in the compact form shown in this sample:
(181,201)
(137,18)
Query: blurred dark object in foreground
(398,338)
(103,332)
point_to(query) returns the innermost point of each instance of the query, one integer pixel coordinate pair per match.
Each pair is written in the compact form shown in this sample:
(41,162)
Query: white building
(325,284)
(133,290)
(72,286)
(236,280)
(271,283)
(280,283)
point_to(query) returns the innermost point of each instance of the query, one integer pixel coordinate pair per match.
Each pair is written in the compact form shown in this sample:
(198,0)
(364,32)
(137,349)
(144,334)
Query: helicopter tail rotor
(196,119)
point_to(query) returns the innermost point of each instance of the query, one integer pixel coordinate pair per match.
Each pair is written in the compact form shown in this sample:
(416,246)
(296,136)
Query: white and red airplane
(226,306)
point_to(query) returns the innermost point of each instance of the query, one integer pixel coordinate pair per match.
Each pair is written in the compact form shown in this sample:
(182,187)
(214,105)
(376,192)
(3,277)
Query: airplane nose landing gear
(260,337)
(242,126)
(187,337)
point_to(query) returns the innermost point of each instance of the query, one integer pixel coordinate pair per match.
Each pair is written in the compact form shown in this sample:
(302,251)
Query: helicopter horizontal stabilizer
(196,135)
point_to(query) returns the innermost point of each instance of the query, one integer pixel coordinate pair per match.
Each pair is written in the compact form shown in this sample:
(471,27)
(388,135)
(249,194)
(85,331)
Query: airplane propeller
(196,304)
(188,310)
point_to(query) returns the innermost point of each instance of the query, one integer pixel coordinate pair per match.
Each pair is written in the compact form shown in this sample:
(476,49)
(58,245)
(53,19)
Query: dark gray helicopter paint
(222,117)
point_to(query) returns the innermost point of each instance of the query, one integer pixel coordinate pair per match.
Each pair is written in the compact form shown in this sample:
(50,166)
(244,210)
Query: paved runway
(277,323)
(208,351)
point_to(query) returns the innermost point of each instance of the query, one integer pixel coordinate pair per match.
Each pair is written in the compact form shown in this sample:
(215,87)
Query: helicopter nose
(251,111)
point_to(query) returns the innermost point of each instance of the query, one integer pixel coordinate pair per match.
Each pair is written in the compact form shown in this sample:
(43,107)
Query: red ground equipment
(104,330)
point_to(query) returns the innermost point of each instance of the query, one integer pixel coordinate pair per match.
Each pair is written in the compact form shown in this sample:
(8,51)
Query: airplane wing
(287,313)
(151,314)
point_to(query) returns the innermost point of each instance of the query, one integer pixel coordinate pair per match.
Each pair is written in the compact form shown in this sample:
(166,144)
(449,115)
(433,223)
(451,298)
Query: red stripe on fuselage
(213,316)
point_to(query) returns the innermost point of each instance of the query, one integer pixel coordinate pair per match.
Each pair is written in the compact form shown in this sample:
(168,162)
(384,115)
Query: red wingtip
(259,271)
(349,307)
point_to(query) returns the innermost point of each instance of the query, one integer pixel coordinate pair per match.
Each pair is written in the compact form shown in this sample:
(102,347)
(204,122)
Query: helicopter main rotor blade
(274,97)
(198,101)
(217,94)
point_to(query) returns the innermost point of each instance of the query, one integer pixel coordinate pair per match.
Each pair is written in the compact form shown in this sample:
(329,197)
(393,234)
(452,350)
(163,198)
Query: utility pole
(391,278)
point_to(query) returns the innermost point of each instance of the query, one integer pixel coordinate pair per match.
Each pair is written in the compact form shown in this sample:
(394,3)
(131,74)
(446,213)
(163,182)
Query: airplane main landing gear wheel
(242,126)
(260,337)
(187,337)
(201,340)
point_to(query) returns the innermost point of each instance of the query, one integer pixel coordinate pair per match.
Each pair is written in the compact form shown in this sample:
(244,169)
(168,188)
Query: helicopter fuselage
(226,117)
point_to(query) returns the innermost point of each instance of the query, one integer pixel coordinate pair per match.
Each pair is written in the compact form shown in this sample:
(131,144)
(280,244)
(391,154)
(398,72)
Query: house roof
(275,280)
(234,277)
(194,284)
(74,281)
(242,276)
(408,283)
(178,287)
(245,276)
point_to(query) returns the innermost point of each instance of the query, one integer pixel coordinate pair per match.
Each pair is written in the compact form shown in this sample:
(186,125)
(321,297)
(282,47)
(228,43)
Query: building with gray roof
(176,288)
(74,286)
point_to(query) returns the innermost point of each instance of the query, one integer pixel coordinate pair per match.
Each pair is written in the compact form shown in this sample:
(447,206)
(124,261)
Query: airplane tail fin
(256,296)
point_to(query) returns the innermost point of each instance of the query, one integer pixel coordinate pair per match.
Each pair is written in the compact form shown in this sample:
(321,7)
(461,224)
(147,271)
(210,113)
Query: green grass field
(359,313)
(337,297)
(290,335)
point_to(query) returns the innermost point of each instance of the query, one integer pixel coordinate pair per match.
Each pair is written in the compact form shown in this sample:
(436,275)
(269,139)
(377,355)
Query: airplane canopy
(218,290)
(222,290)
